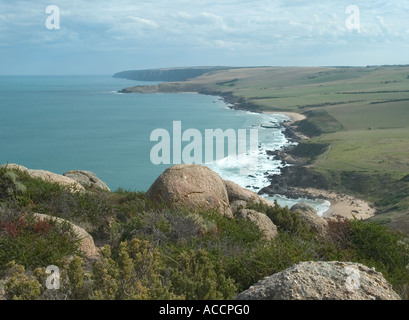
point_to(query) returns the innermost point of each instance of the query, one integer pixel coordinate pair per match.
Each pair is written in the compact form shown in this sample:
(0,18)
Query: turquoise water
(62,123)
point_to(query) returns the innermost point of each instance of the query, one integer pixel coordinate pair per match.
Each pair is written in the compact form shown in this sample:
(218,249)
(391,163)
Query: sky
(108,36)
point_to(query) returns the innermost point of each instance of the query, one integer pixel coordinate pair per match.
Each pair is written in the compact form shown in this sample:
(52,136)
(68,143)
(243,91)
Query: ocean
(63,123)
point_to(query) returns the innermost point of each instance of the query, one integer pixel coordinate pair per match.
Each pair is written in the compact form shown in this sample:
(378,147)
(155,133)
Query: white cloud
(245,28)
(146,22)
(246,20)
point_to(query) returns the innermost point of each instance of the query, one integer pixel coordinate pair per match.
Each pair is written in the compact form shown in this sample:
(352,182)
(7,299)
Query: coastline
(293,115)
(341,205)
(287,183)
(291,185)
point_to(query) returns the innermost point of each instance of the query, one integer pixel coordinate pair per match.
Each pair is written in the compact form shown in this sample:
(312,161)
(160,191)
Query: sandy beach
(293,115)
(344,205)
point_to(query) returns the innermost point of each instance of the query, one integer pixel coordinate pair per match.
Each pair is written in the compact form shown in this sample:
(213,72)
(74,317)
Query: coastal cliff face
(191,224)
(196,188)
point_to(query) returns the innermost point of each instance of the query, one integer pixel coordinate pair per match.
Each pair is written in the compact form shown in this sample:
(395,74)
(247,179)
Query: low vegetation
(149,253)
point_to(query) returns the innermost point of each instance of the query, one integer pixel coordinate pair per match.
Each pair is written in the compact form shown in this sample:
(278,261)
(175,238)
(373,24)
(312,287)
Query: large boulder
(323,281)
(237,193)
(87,245)
(87,179)
(263,222)
(72,185)
(193,187)
(308,213)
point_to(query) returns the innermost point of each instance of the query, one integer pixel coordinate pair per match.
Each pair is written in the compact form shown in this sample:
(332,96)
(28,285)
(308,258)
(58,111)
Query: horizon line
(210,66)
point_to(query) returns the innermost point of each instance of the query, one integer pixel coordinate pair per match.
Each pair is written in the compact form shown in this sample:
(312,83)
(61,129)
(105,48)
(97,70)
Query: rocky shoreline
(288,182)
(296,180)
(294,175)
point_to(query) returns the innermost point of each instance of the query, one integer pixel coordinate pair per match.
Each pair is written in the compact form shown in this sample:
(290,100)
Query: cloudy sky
(107,36)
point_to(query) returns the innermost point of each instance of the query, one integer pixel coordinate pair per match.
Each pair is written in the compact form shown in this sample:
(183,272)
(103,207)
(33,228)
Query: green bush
(231,232)
(372,245)
(33,242)
(105,215)
(251,264)
(387,251)
(21,286)
(133,273)
(164,226)
(198,276)
(283,218)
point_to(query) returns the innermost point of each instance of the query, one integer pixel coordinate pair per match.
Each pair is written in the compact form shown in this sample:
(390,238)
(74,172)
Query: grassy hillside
(362,113)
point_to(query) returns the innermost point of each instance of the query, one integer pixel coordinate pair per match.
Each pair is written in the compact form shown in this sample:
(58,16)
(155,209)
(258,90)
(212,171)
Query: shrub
(387,251)
(231,232)
(20,286)
(197,276)
(33,242)
(283,218)
(164,253)
(104,276)
(91,210)
(372,245)
(164,226)
(254,263)
(10,185)
(133,274)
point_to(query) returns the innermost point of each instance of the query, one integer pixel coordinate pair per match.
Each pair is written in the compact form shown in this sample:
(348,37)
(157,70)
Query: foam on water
(255,178)
(271,138)
(320,205)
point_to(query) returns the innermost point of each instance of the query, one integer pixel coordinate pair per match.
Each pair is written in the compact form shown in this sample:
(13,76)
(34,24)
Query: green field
(362,113)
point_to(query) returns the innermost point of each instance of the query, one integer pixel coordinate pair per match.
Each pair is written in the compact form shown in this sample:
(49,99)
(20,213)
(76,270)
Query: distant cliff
(169,74)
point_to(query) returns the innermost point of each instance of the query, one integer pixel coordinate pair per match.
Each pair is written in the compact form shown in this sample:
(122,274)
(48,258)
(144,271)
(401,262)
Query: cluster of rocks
(196,188)
(287,158)
(74,181)
(191,187)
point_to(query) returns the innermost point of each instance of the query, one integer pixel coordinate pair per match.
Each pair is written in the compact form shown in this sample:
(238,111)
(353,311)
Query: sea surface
(63,123)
